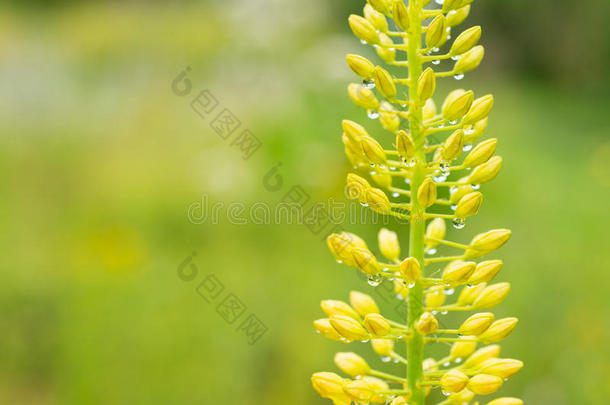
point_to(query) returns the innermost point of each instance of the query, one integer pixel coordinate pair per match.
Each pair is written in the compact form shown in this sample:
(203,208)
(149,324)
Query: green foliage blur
(101,162)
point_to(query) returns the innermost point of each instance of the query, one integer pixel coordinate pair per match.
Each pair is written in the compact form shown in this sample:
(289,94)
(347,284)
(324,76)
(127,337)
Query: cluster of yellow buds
(416,178)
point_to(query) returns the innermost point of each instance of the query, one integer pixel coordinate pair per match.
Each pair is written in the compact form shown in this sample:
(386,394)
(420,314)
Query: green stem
(415,347)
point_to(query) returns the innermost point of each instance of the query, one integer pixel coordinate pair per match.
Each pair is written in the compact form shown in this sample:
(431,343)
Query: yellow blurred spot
(117,248)
(600,164)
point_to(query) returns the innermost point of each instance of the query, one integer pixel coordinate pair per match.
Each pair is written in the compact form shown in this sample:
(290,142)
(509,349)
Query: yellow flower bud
(324,327)
(379,5)
(373,151)
(405,145)
(426,84)
(348,327)
(354,147)
(360,65)
(458,17)
(362,97)
(355,158)
(359,391)
(457,104)
(365,261)
(506,401)
(491,296)
(429,109)
(453,145)
(378,201)
(479,129)
(385,83)
(387,53)
(485,271)
(426,194)
(499,330)
(363,304)
(476,324)
(363,29)
(354,239)
(480,109)
(328,384)
(504,368)
(484,384)
(436,35)
(478,357)
(481,153)
(354,130)
(351,364)
(486,172)
(461,350)
(426,324)
(454,381)
(400,14)
(401,289)
(400,400)
(469,294)
(461,191)
(462,397)
(487,242)
(376,18)
(470,60)
(383,347)
(377,325)
(435,297)
(469,205)
(458,271)
(334,307)
(382,179)
(388,244)
(410,269)
(466,40)
(449,5)
(436,230)
(388,120)
(356,187)
(340,248)
(377,385)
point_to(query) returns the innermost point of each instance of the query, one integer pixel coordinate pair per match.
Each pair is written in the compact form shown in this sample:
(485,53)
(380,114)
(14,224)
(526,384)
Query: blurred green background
(100,162)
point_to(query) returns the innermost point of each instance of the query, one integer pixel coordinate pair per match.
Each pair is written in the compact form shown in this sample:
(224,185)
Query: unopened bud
(354,130)
(388,244)
(383,347)
(388,120)
(328,385)
(449,5)
(469,205)
(487,242)
(504,368)
(410,270)
(426,84)
(435,297)
(386,52)
(470,60)
(385,83)
(436,35)
(477,131)
(476,324)
(376,18)
(400,14)
(506,401)
(334,307)
(426,324)
(462,397)
(348,327)
(426,194)
(480,109)
(484,384)
(383,180)
(363,304)
(373,151)
(454,381)
(360,65)
(481,355)
(363,29)
(356,187)
(405,145)
(362,97)
(453,145)
(365,261)
(436,230)
(461,191)
(458,271)
(324,327)
(378,201)
(377,385)
(377,325)
(351,364)
(379,5)
(499,330)
(491,296)
(466,40)
(458,17)
(469,294)
(485,272)
(457,104)
(429,109)
(481,153)
(463,349)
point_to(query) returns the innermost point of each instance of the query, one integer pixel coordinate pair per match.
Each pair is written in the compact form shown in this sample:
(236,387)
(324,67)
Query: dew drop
(400,297)
(407,180)
(363,42)
(459,223)
(374,280)
(453,189)
(340,261)
(411,285)
(458,360)
(440,178)
(431,251)
(449,291)
(435,49)
(385,359)
(364,204)
(459,76)
(436,62)
(392,169)
(469,131)
(452,122)
(373,114)
(447,364)
(434,312)
(445,393)
(476,186)
(453,207)
(395,361)
(368,83)
(365,340)
(467,147)
(439,2)
(444,312)
(456,57)
(445,167)
(395,195)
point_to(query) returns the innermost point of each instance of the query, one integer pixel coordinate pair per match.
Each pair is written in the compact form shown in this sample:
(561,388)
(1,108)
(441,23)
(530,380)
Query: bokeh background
(100,162)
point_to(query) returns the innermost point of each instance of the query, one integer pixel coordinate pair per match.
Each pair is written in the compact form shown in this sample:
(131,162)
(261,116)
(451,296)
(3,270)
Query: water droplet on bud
(459,223)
